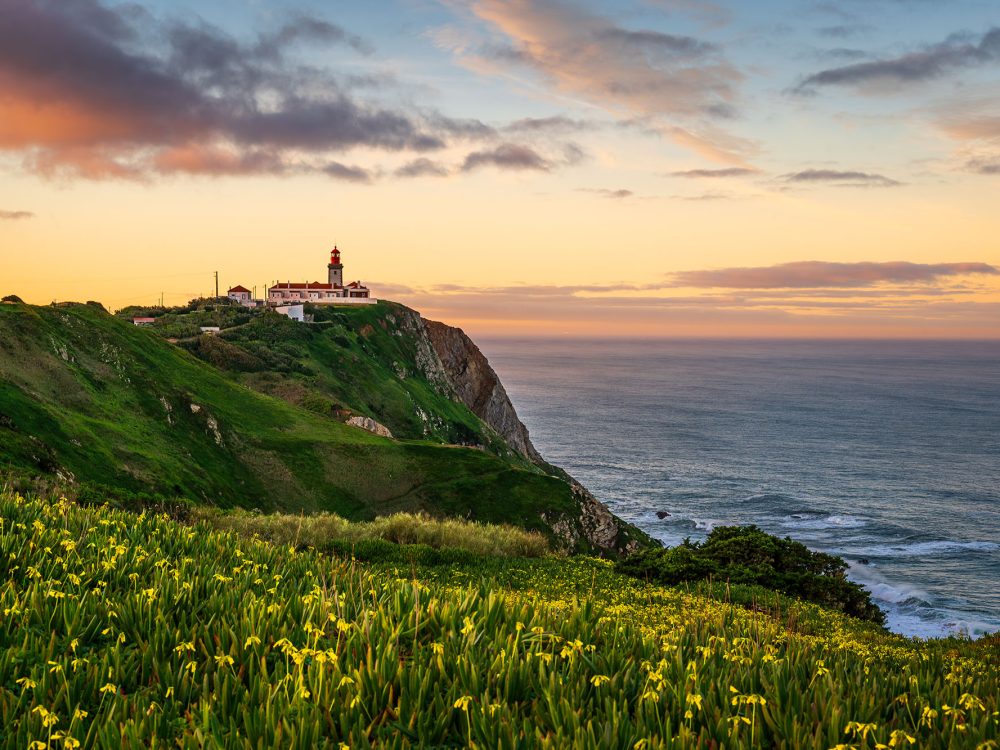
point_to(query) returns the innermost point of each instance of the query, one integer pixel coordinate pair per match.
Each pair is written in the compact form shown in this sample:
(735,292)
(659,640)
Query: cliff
(451,359)
(365,412)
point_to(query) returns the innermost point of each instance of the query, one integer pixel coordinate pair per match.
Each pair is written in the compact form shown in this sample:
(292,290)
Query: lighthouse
(334,292)
(336,269)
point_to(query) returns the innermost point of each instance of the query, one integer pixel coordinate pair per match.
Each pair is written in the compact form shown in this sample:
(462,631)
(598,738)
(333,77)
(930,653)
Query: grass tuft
(324,531)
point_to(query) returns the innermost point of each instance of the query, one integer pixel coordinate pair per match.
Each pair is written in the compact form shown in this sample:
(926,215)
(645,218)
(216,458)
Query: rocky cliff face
(475,384)
(454,364)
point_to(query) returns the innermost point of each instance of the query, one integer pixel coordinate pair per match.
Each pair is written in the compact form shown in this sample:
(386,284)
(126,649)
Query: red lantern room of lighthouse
(336,268)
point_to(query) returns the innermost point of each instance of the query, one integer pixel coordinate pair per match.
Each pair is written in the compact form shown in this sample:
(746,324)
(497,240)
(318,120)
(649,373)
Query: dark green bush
(745,555)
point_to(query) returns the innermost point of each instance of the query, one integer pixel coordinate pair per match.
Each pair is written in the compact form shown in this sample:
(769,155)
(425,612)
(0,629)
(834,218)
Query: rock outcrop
(367,423)
(476,384)
(453,363)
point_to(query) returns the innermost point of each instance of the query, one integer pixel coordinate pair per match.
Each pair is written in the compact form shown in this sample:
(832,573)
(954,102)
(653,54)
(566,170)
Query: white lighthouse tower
(336,269)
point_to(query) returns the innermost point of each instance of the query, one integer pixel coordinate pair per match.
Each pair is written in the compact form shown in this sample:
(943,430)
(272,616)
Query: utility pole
(216,284)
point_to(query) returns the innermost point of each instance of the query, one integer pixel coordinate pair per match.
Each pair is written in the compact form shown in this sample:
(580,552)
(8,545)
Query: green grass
(93,402)
(326,531)
(134,631)
(363,360)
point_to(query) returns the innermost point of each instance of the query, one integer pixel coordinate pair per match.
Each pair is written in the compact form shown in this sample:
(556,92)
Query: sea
(886,453)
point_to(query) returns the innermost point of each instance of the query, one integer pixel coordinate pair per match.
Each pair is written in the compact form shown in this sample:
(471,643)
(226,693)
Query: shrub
(745,555)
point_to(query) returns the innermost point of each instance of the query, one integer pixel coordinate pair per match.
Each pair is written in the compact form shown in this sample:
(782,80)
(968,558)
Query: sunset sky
(635,167)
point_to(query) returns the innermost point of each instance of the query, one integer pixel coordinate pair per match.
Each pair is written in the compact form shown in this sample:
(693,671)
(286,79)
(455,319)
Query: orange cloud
(630,73)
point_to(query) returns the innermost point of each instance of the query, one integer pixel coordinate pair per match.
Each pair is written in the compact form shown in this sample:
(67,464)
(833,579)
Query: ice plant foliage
(126,630)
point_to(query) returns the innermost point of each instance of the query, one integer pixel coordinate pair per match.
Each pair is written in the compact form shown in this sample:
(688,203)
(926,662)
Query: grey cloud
(422,167)
(843,53)
(843,31)
(817,274)
(656,44)
(508,156)
(703,197)
(841,178)
(619,194)
(143,88)
(984,166)
(715,173)
(955,53)
(16,215)
(347,173)
(555,124)
(311,29)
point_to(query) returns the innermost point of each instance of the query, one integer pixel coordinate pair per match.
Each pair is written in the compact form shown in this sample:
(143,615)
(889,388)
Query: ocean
(884,452)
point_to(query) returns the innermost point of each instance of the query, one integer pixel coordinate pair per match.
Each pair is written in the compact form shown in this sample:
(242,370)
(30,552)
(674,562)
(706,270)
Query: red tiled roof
(304,285)
(312,285)
(241,289)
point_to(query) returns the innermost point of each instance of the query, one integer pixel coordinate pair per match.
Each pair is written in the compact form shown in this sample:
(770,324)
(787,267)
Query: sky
(637,168)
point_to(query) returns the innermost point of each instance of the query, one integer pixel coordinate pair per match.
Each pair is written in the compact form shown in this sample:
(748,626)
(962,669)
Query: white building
(295,312)
(334,292)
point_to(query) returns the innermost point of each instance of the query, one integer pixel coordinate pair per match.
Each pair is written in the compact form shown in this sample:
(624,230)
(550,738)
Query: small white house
(210,330)
(143,321)
(295,312)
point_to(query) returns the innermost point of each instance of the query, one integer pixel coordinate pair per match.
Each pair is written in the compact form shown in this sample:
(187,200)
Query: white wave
(706,524)
(882,589)
(927,549)
(924,622)
(804,521)
(910,611)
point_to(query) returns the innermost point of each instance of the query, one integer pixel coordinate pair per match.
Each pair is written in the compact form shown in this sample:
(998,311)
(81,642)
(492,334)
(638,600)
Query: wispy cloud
(955,53)
(843,30)
(683,81)
(657,309)
(978,137)
(715,173)
(422,167)
(558,124)
(819,274)
(841,178)
(704,11)
(16,215)
(984,166)
(619,194)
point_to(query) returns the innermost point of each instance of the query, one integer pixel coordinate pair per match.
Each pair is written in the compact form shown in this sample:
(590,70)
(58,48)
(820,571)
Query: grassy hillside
(362,360)
(126,631)
(87,397)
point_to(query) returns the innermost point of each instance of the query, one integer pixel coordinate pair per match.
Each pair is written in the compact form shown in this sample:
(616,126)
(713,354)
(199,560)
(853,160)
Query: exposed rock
(456,367)
(168,409)
(213,425)
(474,382)
(661,514)
(367,423)
(195,408)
